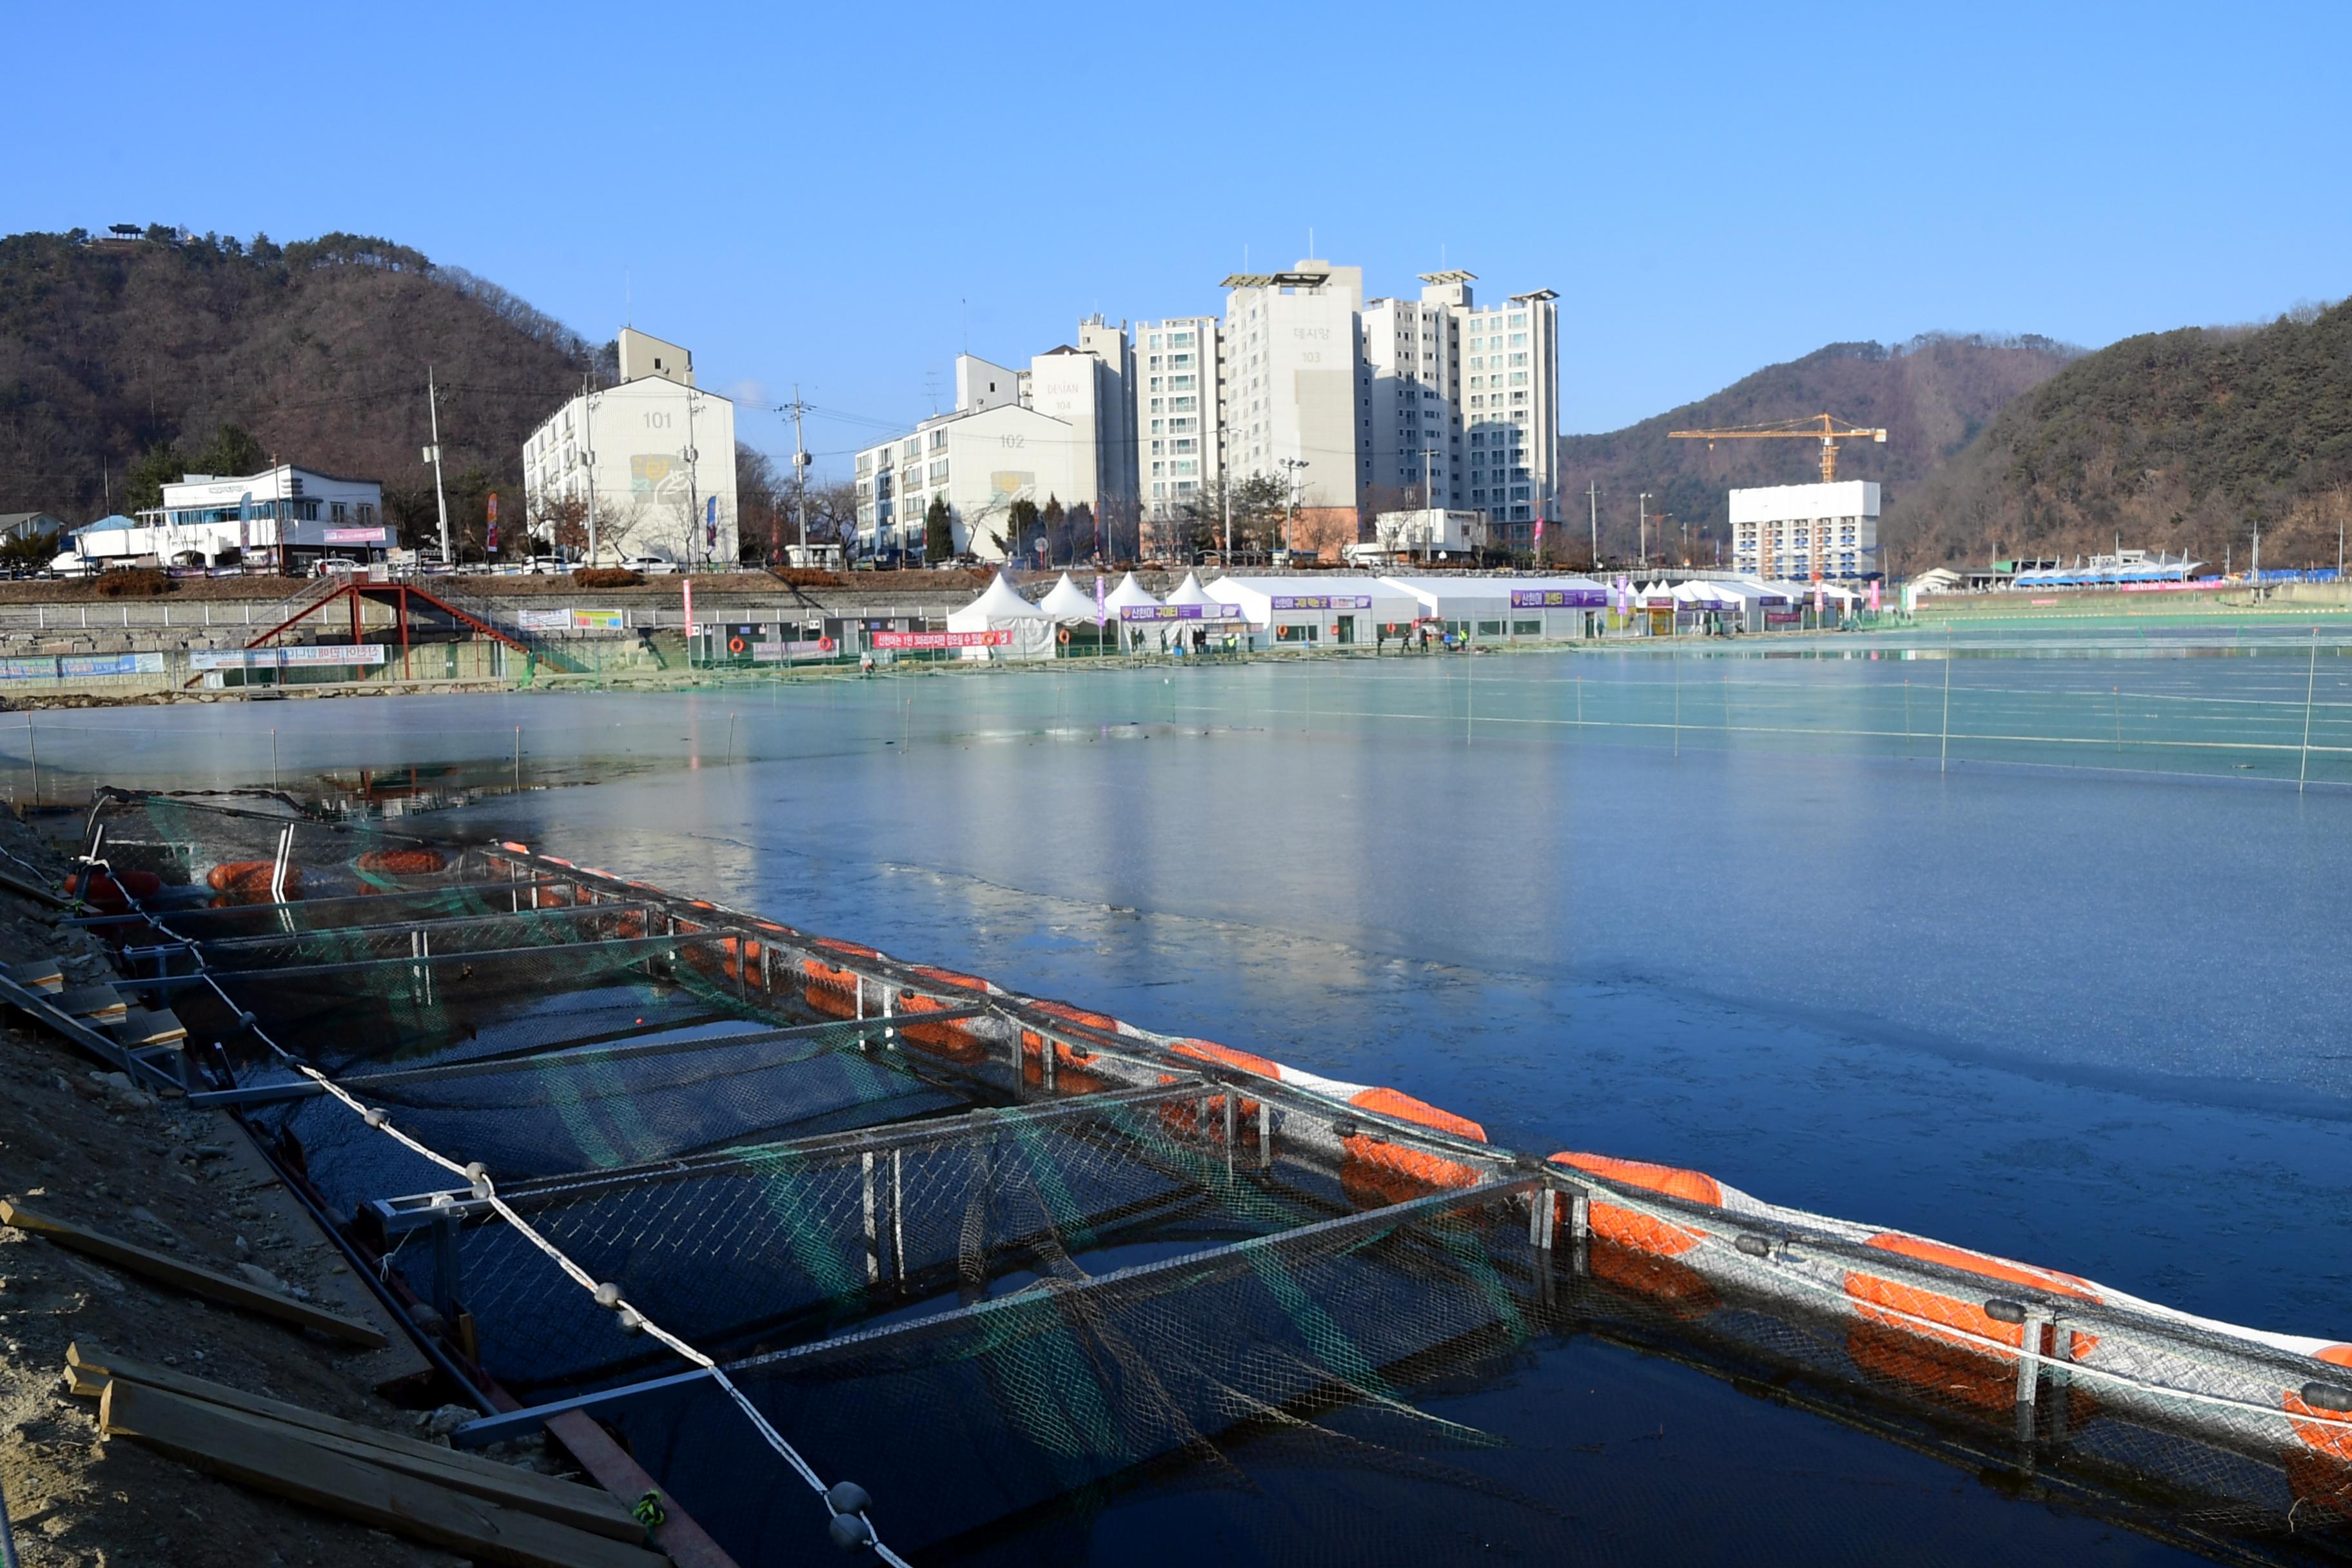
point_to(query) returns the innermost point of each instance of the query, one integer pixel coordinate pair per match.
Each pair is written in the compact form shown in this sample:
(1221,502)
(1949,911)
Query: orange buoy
(1899,1305)
(1624,1226)
(251,877)
(403,862)
(113,892)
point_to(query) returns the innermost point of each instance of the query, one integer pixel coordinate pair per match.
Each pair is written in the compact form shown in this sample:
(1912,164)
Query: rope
(608,1296)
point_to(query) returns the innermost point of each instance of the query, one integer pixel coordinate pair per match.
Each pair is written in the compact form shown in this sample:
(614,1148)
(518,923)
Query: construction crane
(1826,428)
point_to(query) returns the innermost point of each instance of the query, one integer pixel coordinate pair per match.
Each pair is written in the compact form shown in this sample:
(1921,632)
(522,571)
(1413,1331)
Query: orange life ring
(734,644)
(824,645)
(1062,636)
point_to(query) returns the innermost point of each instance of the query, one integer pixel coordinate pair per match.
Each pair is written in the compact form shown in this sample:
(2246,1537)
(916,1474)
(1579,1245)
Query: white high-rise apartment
(1294,384)
(1464,403)
(1179,432)
(651,455)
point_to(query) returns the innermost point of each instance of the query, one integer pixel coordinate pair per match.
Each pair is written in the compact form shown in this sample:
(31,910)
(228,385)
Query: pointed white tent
(1129,591)
(1068,602)
(1190,592)
(999,608)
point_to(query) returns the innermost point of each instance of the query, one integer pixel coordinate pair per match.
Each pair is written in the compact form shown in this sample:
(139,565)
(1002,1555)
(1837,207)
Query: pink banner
(920,640)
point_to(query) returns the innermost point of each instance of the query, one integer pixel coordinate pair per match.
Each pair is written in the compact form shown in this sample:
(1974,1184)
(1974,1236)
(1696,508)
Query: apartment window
(911,448)
(865,463)
(1159,491)
(1160,448)
(335,512)
(1181,425)
(1180,340)
(1518,319)
(367,513)
(1155,383)
(1159,470)
(1155,340)
(1182,405)
(1156,426)
(1185,445)
(1179,384)
(1179,362)
(939,440)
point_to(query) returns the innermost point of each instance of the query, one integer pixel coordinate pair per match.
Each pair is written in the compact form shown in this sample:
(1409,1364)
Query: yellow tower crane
(1826,428)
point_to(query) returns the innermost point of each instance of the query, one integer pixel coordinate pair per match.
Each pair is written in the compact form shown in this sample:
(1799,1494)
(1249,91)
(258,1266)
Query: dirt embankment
(82,1147)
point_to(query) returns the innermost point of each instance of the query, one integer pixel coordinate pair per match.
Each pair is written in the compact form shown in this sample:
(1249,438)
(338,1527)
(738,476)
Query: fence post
(1943,747)
(2303,771)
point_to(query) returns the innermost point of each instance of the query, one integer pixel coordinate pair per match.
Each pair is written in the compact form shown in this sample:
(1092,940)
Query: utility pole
(693,486)
(800,460)
(440,494)
(1642,545)
(1290,522)
(588,455)
(1592,499)
(1225,491)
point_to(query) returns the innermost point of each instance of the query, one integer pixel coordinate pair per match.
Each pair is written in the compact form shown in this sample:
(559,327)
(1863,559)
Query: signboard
(600,620)
(296,658)
(1180,612)
(919,641)
(1323,602)
(75,665)
(1784,618)
(1558,598)
(1101,613)
(356,535)
(543,620)
(778,652)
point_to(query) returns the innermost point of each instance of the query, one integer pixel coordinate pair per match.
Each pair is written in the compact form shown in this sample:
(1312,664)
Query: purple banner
(1558,598)
(1180,612)
(1324,602)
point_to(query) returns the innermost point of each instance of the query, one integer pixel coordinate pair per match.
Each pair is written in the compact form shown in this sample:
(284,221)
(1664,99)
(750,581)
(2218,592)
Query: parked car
(650,565)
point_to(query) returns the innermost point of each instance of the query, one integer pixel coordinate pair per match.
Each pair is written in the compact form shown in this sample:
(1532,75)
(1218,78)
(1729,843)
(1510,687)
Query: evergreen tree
(938,531)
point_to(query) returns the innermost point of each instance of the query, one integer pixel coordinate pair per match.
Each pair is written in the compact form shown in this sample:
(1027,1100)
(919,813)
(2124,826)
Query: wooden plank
(687,1544)
(146,1026)
(197,1281)
(90,1002)
(581,1507)
(287,1463)
(39,975)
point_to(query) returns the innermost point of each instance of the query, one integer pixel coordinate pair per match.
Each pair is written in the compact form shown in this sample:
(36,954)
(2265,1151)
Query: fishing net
(1037,1277)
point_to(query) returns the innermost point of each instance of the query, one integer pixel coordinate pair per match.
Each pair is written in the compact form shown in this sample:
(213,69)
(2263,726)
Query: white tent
(1129,591)
(1068,602)
(1000,609)
(1190,592)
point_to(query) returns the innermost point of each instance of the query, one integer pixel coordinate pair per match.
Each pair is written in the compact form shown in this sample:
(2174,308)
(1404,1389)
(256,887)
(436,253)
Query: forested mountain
(1932,395)
(2181,440)
(123,349)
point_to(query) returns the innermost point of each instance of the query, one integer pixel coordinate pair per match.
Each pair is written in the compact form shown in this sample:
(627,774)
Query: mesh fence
(898,1203)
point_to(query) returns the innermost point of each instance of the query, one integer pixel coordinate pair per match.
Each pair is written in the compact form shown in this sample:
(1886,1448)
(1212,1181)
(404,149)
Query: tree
(1053,522)
(231,453)
(1259,504)
(1020,527)
(562,520)
(938,531)
(142,488)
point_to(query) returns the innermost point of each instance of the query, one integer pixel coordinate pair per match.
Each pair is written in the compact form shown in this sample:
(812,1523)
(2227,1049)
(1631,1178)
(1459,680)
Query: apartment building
(1806,532)
(1179,423)
(1462,407)
(651,461)
(1294,388)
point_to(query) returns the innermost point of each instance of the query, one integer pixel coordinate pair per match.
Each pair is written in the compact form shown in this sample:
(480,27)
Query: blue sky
(840,196)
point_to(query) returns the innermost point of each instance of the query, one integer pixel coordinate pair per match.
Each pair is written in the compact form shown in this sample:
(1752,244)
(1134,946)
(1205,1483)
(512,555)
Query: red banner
(919,641)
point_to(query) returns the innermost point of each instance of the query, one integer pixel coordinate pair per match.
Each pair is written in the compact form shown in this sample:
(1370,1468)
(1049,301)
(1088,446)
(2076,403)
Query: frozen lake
(2076,1003)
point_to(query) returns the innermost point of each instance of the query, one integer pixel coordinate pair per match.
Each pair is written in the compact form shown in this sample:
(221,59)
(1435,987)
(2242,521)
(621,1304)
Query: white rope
(479,1182)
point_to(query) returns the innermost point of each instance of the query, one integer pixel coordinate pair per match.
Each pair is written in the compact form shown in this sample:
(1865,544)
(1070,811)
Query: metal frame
(1233,1254)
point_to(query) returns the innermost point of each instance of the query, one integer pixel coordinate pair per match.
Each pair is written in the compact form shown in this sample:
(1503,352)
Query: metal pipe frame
(1171,1272)
(638,945)
(373,900)
(853,1030)
(416,1209)
(438,922)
